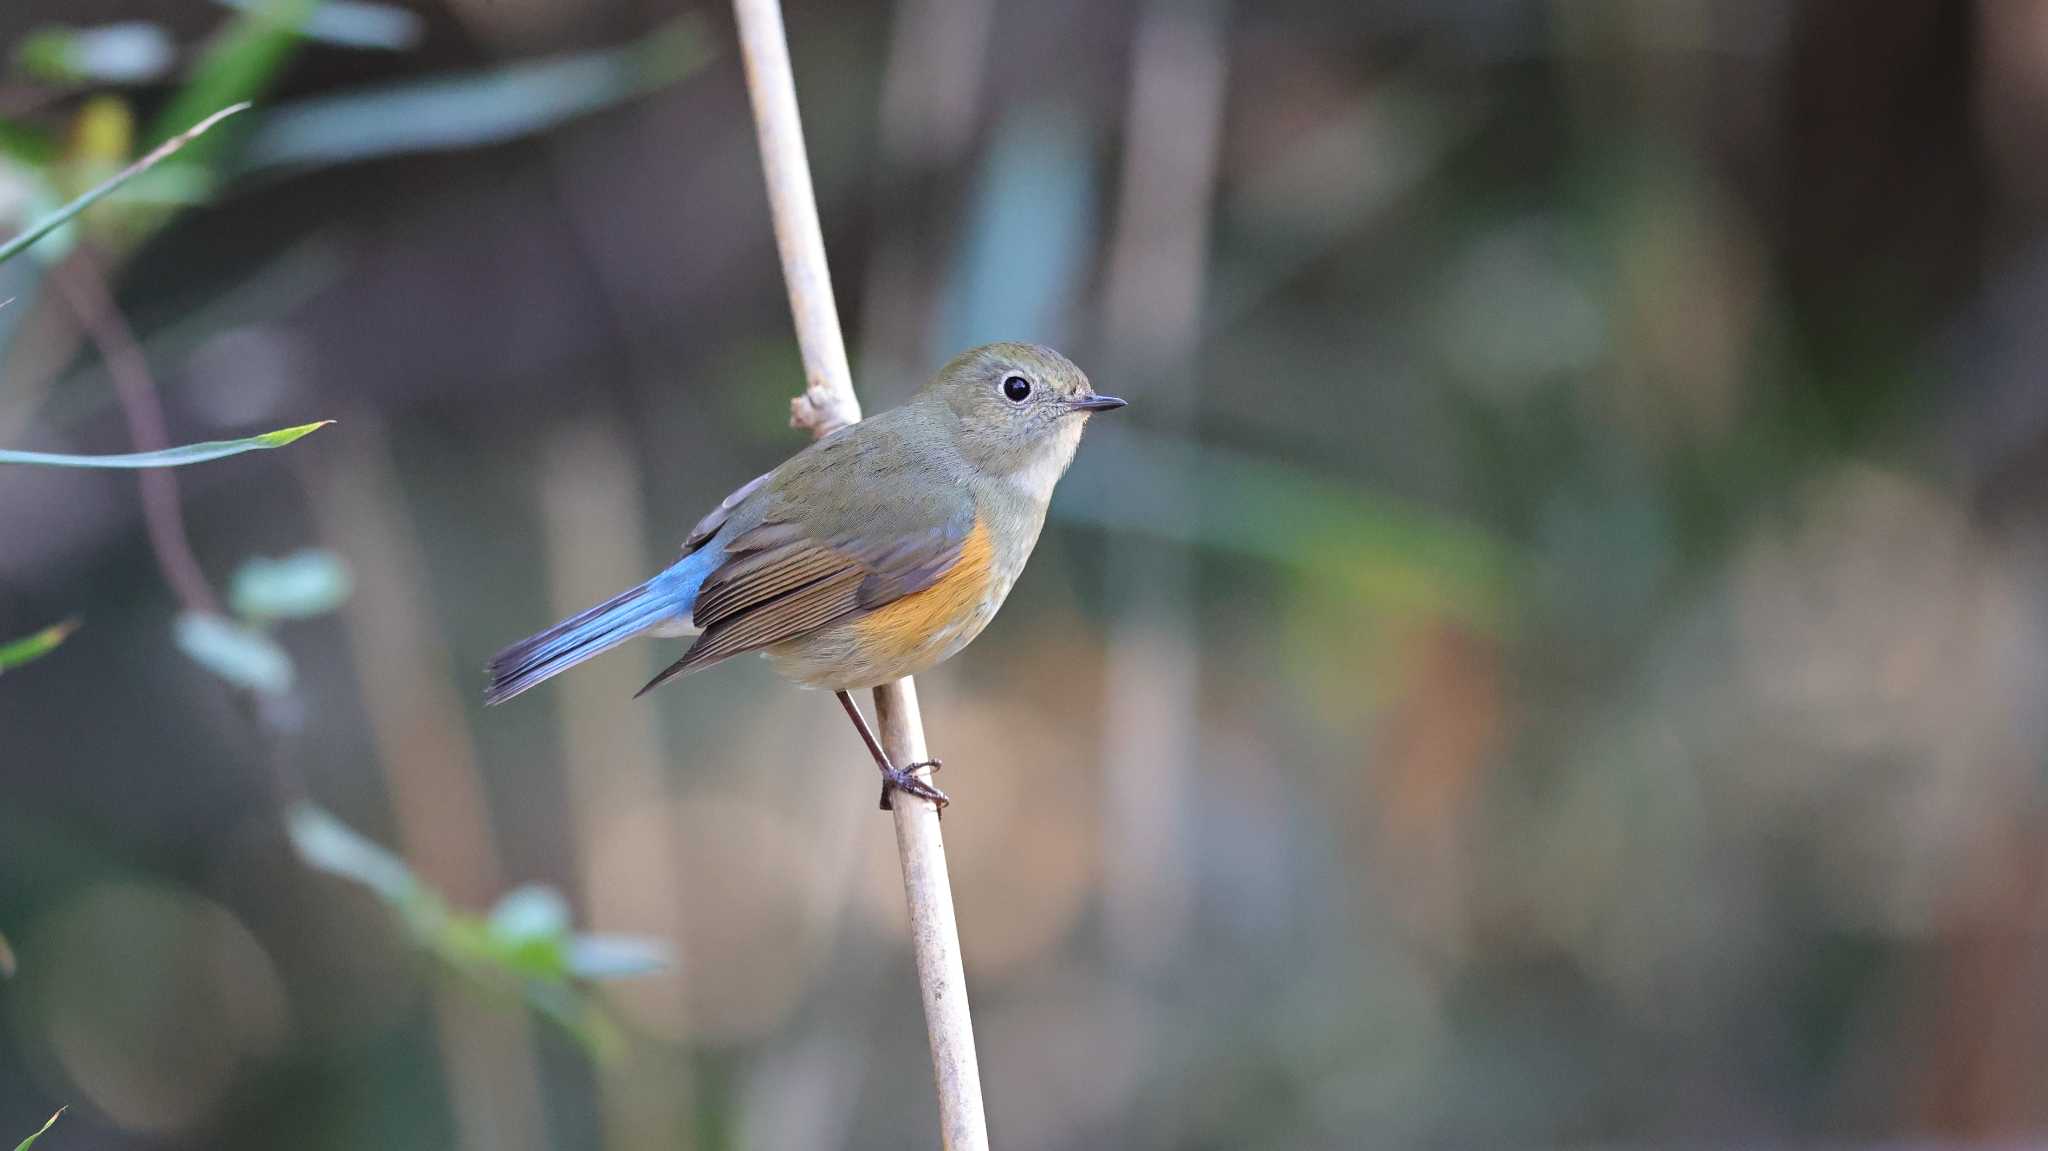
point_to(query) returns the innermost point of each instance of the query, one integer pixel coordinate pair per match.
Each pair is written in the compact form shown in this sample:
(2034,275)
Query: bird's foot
(905,780)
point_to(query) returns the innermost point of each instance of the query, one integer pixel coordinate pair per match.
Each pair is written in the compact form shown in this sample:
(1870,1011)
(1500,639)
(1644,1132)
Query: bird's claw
(904,780)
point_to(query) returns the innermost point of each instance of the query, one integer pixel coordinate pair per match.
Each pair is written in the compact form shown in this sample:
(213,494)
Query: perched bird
(871,555)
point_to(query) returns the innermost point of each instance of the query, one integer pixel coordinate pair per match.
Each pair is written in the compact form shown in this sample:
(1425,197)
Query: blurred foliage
(524,942)
(473,110)
(353,24)
(102,135)
(239,653)
(128,53)
(27,649)
(296,586)
(1599,497)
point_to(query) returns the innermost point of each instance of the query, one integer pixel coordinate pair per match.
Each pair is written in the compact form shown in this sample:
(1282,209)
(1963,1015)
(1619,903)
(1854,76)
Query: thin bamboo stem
(828,403)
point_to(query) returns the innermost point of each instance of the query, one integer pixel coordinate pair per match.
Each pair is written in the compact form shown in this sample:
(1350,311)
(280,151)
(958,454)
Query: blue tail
(541,657)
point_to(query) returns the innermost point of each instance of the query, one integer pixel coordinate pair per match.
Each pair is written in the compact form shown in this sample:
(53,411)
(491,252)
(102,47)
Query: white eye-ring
(1016,388)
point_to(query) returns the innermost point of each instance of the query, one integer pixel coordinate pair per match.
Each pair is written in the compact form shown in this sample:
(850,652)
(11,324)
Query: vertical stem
(625,826)
(87,293)
(828,403)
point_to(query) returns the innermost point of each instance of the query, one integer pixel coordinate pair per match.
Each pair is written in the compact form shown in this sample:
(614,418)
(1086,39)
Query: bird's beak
(1097,404)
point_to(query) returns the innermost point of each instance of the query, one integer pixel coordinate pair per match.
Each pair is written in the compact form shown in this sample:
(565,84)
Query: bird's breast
(949,612)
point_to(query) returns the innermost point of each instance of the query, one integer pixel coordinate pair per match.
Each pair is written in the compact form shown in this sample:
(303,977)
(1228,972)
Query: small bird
(875,553)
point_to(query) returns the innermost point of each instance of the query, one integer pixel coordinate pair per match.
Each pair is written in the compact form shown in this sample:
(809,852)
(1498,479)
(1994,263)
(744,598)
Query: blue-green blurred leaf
(596,957)
(353,24)
(133,52)
(327,844)
(157,155)
(168,457)
(299,585)
(29,1142)
(1029,230)
(531,912)
(473,110)
(236,653)
(1399,556)
(29,648)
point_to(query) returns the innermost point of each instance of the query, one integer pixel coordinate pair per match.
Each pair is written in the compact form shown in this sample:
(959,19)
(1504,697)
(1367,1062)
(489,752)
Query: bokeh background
(1553,655)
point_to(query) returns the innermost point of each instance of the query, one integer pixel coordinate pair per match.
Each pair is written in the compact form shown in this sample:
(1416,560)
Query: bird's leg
(893,777)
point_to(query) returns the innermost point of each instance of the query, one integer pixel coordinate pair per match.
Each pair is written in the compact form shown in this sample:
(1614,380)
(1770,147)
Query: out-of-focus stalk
(1152,311)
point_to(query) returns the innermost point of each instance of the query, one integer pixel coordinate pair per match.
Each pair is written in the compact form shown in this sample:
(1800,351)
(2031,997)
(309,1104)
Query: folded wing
(780,579)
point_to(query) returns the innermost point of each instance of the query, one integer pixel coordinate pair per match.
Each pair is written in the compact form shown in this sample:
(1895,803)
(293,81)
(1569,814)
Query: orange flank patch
(899,630)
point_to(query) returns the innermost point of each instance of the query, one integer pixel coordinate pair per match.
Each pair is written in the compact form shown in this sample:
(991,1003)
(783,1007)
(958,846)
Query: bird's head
(1020,409)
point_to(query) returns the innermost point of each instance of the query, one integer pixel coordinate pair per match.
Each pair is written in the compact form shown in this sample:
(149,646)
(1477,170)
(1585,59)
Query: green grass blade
(157,155)
(241,63)
(169,457)
(29,1142)
(28,648)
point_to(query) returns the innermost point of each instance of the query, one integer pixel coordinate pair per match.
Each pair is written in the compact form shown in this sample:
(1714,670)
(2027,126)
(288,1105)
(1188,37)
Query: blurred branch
(626,835)
(828,403)
(86,290)
(428,759)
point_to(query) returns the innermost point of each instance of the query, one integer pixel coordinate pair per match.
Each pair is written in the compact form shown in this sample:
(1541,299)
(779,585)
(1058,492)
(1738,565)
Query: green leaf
(528,933)
(14,653)
(157,155)
(239,65)
(235,652)
(169,457)
(27,144)
(29,1142)
(473,110)
(302,584)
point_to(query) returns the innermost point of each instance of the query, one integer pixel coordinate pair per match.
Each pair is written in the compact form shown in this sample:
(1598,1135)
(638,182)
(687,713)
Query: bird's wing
(786,575)
(709,525)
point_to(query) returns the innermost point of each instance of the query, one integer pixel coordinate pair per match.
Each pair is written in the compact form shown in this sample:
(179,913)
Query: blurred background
(1553,656)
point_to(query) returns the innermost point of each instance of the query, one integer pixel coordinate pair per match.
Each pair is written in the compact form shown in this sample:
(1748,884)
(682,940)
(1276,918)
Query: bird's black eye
(1017,388)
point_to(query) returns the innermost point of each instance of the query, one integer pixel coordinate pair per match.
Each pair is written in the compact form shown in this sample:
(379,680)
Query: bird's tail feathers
(541,657)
